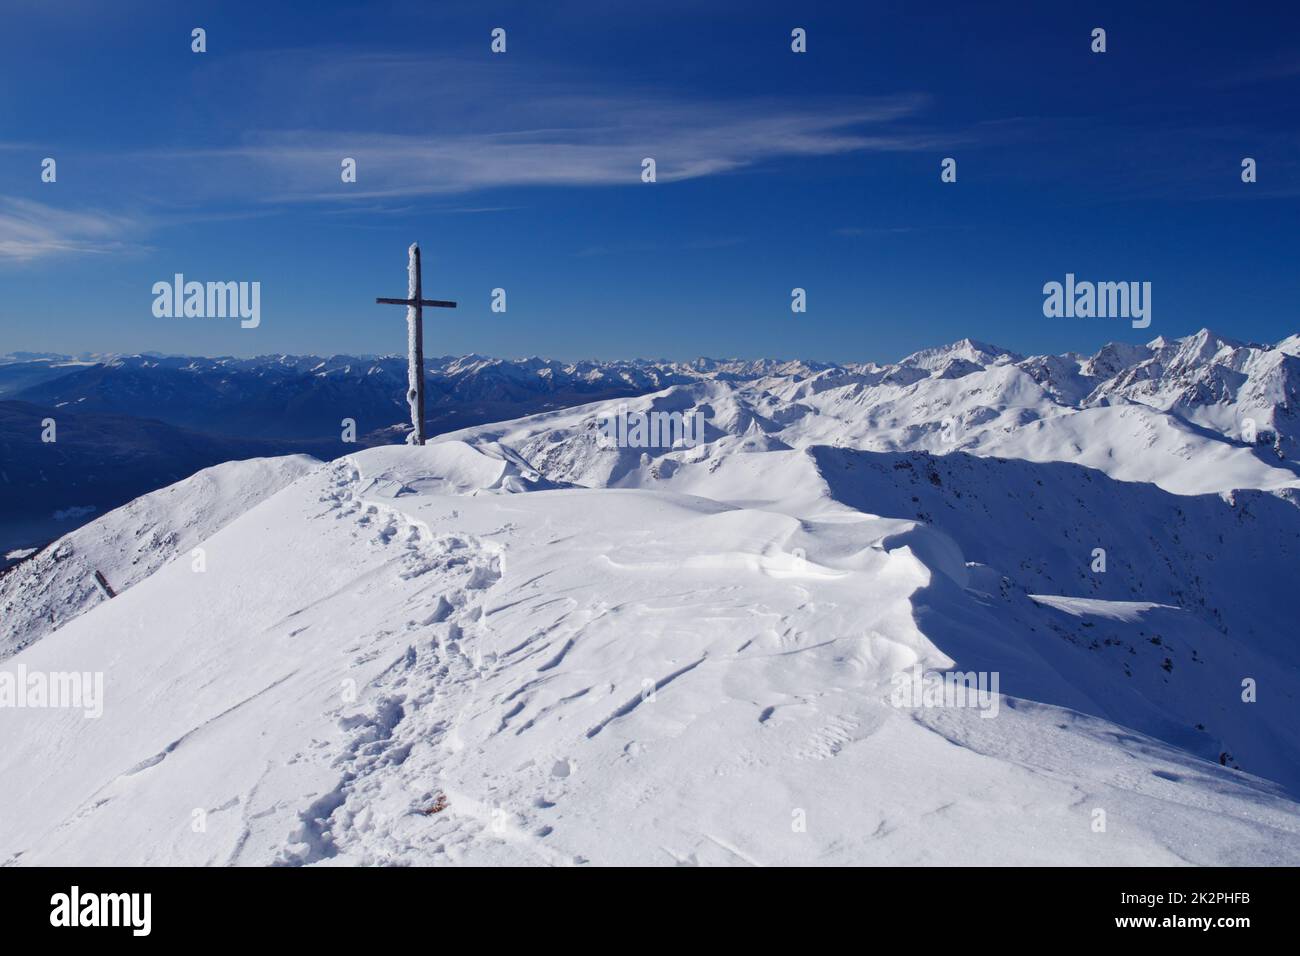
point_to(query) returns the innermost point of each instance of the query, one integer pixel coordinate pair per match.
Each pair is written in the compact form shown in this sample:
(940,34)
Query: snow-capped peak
(968,350)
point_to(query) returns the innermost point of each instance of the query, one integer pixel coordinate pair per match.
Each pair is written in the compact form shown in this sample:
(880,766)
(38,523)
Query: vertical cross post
(415,346)
(415,303)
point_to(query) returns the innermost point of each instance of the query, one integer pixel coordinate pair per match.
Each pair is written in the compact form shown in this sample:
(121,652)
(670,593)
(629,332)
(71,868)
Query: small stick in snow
(103,585)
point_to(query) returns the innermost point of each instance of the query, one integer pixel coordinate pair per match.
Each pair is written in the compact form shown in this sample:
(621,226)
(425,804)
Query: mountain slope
(128,544)
(404,658)
(96,463)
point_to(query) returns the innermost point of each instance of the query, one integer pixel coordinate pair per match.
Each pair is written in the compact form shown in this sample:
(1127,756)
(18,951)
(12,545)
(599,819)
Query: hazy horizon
(86,355)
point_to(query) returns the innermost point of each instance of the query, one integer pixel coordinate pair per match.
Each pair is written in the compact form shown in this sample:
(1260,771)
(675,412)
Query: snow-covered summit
(966,350)
(394,659)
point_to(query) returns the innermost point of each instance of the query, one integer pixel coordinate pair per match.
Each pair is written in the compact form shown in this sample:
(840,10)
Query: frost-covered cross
(415,342)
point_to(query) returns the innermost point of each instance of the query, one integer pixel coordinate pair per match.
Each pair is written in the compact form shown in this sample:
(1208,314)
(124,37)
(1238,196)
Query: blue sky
(522,171)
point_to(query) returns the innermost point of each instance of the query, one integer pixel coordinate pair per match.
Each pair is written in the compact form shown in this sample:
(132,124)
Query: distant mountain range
(131,423)
(128,424)
(1199,414)
(292,396)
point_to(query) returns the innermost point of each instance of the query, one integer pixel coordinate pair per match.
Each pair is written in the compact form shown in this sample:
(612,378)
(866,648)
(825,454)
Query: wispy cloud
(602,144)
(423,127)
(31,230)
(437,130)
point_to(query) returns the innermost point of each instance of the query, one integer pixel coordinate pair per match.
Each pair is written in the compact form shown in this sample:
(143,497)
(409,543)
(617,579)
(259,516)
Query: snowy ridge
(1176,415)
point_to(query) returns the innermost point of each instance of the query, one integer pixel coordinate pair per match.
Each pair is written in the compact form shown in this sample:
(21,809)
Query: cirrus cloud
(32,230)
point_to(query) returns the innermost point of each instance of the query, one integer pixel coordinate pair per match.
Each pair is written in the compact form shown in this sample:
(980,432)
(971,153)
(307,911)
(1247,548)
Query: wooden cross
(415,341)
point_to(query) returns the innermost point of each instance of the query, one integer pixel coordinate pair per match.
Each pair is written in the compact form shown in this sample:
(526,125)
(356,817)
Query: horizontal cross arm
(436,303)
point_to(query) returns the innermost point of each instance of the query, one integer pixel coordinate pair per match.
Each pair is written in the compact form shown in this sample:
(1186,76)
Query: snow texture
(518,645)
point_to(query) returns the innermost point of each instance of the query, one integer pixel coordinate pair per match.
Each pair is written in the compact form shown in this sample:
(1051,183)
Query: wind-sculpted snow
(446,655)
(1041,524)
(1211,568)
(452,468)
(1188,605)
